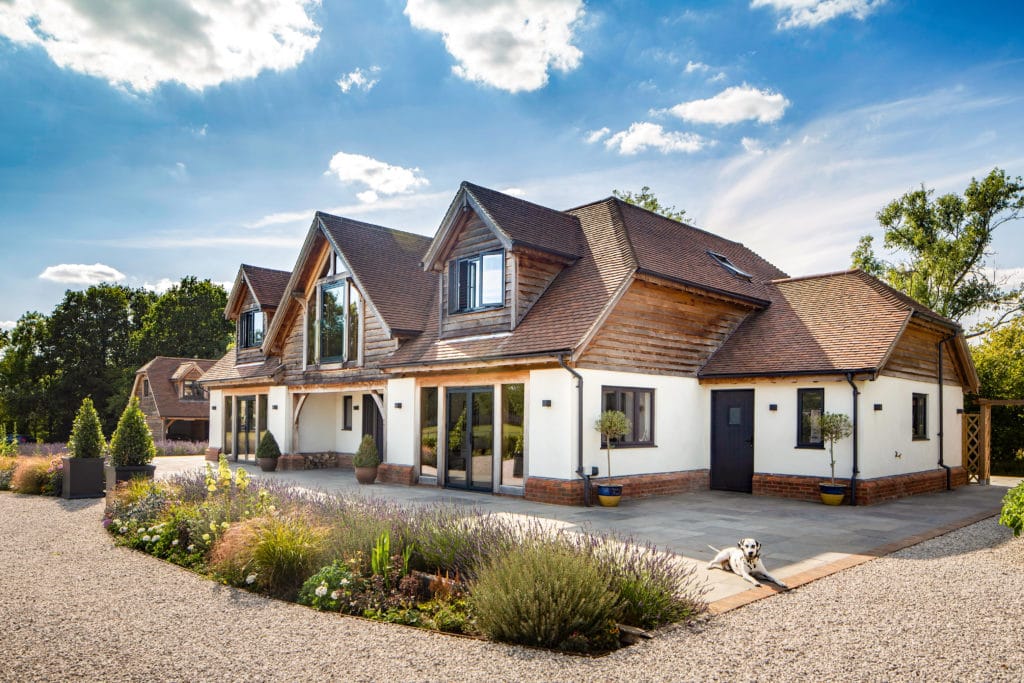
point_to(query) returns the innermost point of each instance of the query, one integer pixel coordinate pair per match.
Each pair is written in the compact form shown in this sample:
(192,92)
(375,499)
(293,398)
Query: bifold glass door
(470,439)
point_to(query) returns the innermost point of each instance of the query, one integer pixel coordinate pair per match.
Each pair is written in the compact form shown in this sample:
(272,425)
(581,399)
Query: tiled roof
(267,284)
(386,263)
(226,371)
(529,224)
(160,372)
(680,252)
(829,323)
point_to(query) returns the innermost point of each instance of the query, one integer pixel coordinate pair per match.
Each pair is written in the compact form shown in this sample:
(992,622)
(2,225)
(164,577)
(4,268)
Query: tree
(86,435)
(612,425)
(645,199)
(999,360)
(944,244)
(834,427)
(25,377)
(132,442)
(187,321)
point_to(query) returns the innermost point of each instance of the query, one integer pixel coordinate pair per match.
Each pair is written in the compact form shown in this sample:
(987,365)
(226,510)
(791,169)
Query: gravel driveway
(73,606)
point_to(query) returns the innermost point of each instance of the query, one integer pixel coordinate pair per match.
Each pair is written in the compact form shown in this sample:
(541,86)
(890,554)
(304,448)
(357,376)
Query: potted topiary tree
(612,424)
(268,452)
(83,468)
(366,461)
(131,447)
(834,427)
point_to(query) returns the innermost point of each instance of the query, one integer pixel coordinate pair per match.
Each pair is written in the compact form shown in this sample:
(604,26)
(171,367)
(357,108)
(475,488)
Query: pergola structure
(977,436)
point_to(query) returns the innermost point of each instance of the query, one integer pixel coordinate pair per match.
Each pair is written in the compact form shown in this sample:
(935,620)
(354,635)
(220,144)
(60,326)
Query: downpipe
(856,469)
(579,430)
(942,464)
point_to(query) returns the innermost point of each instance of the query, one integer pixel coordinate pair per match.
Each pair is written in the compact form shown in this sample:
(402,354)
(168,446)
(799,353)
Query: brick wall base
(570,491)
(869,491)
(213,454)
(291,463)
(396,474)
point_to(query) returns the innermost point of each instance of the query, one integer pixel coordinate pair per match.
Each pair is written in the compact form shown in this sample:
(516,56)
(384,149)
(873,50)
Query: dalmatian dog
(745,561)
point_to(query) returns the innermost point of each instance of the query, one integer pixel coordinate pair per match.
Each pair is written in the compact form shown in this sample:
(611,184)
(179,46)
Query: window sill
(920,438)
(625,446)
(482,309)
(811,446)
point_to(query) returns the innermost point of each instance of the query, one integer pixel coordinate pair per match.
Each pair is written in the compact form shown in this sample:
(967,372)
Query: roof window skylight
(724,261)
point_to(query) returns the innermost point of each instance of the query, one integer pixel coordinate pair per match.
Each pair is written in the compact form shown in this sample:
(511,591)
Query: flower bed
(438,567)
(34,475)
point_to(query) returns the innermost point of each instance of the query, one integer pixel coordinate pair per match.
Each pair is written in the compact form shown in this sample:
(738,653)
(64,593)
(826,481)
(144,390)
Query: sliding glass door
(470,438)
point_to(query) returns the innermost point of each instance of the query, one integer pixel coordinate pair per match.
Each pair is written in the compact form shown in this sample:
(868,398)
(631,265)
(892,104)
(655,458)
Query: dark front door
(470,439)
(373,423)
(732,440)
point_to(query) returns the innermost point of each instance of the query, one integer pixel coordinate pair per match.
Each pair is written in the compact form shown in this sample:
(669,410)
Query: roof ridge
(619,223)
(364,224)
(672,220)
(469,187)
(814,276)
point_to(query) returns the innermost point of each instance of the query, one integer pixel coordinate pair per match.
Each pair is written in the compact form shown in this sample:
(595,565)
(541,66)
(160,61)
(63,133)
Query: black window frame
(633,421)
(800,394)
(346,413)
(461,290)
(723,260)
(247,337)
(351,331)
(919,416)
(145,387)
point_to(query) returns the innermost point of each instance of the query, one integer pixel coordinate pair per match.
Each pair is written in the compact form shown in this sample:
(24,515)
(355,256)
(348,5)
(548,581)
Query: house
(480,358)
(176,406)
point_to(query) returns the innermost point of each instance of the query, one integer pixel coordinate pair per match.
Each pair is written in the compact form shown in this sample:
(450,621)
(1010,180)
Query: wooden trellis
(972,447)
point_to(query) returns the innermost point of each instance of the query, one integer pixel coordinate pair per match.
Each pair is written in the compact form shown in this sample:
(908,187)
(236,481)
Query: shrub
(175,447)
(612,424)
(268,447)
(30,475)
(330,588)
(367,455)
(1012,515)
(278,552)
(132,442)
(54,482)
(7,467)
(86,434)
(139,503)
(547,595)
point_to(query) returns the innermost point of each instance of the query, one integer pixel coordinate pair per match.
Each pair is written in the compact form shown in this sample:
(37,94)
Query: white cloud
(199,132)
(696,66)
(642,135)
(160,286)
(732,105)
(359,79)
(717,78)
(139,45)
(597,135)
(81,274)
(398,203)
(507,44)
(812,13)
(380,178)
(8,324)
(514,191)
(179,171)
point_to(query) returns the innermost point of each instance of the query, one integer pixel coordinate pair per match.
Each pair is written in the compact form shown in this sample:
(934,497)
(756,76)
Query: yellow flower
(224,525)
(213,526)
(212,487)
(206,537)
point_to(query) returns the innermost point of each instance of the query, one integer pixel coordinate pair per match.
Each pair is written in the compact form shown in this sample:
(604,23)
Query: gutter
(943,465)
(476,359)
(579,430)
(856,470)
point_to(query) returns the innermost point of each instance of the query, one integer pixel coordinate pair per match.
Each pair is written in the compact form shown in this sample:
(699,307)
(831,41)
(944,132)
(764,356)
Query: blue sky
(143,142)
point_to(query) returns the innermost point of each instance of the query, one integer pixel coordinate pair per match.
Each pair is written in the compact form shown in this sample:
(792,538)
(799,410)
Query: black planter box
(83,478)
(119,473)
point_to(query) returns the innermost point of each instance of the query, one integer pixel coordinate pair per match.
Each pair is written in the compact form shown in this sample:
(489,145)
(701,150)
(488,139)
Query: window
(192,389)
(810,405)
(145,387)
(332,323)
(512,420)
(476,283)
(920,416)
(638,405)
(428,432)
(250,329)
(723,260)
(346,413)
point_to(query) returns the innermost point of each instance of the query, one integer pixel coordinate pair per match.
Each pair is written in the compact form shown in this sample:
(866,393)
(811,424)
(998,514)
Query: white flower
(174,542)
(321,590)
(124,530)
(344,582)
(117,522)
(146,539)
(335,595)
(251,579)
(191,547)
(141,530)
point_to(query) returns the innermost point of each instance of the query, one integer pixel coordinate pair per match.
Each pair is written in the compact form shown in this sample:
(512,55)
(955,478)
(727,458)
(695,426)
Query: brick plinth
(291,462)
(570,491)
(396,474)
(869,491)
(212,454)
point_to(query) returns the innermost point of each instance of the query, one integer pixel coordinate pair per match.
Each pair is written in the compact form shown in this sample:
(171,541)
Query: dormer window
(250,329)
(723,260)
(332,323)
(476,282)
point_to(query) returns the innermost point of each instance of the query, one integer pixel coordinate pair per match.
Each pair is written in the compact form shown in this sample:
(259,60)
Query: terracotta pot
(268,464)
(366,475)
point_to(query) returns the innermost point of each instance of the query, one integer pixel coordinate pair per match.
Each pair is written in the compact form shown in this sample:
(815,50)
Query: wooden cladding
(474,237)
(662,330)
(534,275)
(915,357)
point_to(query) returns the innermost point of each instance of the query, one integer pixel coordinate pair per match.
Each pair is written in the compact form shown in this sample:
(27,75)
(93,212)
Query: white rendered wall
(279,421)
(679,424)
(346,440)
(551,431)
(317,423)
(403,437)
(217,418)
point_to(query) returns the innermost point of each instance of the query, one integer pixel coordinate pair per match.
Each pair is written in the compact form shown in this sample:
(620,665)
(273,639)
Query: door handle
(749,441)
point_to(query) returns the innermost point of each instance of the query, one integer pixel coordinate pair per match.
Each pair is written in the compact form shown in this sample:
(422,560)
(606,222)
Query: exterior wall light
(398,405)
(546,403)
(878,406)
(773,406)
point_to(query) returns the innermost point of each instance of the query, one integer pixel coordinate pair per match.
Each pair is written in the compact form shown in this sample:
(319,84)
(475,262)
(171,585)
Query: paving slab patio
(802,541)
